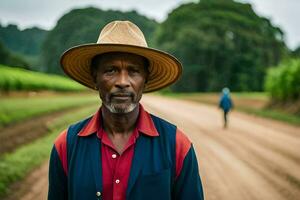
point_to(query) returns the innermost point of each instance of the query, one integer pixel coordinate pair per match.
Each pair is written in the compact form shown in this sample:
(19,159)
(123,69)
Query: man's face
(120,78)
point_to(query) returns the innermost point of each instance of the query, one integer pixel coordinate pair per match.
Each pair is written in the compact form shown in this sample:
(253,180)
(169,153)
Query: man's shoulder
(169,128)
(160,121)
(71,131)
(181,137)
(77,126)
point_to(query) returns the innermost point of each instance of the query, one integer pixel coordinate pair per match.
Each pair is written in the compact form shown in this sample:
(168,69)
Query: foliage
(283,82)
(296,53)
(26,42)
(8,58)
(220,43)
(21,79)
(16,165)
(19,108)
(83,26)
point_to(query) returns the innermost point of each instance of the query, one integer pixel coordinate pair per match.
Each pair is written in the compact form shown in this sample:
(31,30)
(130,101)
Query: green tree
(283,82)
(220,43)
(296,53)
(26,44)
(10,59)
(83,26)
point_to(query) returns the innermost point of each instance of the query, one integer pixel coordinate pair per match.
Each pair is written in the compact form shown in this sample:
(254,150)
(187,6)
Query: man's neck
(116,123)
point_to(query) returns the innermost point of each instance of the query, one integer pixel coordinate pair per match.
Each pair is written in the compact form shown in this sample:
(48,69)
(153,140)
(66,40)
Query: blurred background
(251,47)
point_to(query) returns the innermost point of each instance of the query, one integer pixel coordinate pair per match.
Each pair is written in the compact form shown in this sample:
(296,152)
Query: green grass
(242,103)
(19,108)
(15,79)
(251,95)
(16,165)
(273,114)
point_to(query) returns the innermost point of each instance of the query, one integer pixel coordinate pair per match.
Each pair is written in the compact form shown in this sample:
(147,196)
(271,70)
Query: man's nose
(123,80)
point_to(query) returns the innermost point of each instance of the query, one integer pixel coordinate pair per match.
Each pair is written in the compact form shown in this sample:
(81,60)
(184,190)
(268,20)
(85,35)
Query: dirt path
(254,159)
(34,187)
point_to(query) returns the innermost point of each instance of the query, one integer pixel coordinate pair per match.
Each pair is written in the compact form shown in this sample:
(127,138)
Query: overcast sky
(45,13)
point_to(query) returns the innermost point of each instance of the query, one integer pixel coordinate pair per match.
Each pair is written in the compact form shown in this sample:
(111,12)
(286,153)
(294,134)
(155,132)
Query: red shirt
(116,167)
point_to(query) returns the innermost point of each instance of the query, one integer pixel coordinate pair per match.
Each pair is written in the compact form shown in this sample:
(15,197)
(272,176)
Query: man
(225,104)
(122,152)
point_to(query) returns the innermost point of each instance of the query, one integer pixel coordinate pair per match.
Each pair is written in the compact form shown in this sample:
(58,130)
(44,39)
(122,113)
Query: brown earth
(33,187)
(242,102)
(27,130)
(254,158)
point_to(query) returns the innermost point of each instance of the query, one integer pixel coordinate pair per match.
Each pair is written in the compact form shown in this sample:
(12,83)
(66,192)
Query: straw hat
(121,36)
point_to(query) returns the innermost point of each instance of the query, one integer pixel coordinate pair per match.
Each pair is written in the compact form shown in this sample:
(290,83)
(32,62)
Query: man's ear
(96,82)
(96,86)
(94,78)
(146,80)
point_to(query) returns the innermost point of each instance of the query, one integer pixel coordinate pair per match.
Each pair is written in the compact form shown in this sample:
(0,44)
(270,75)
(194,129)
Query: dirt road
(253,159)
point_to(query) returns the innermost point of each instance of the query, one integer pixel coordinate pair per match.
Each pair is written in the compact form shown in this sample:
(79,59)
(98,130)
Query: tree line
(220,42)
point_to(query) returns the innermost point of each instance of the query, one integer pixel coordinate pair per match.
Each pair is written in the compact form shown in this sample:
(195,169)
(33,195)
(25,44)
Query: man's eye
(110,71)
(134,70)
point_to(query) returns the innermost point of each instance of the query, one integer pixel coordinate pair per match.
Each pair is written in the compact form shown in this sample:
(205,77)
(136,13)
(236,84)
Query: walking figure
(226,104)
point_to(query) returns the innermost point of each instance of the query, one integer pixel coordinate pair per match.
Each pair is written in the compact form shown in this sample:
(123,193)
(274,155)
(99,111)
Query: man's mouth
(121,96)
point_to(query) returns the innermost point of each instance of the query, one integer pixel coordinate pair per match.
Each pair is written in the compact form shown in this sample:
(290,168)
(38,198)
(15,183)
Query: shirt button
(114,156)
(117,181)
(98,194)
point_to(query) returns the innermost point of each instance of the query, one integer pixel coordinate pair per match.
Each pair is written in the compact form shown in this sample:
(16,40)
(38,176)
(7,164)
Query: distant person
(225,104)
(122,151)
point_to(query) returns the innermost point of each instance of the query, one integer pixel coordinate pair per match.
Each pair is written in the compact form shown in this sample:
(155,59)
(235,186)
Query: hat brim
(164,69)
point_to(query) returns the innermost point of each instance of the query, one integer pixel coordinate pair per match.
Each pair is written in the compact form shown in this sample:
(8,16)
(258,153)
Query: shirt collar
(145,124)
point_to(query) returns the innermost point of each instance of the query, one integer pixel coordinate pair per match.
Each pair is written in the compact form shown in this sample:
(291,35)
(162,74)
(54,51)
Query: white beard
(113,108)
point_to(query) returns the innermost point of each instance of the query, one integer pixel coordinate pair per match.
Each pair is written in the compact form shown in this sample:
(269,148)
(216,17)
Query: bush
(12,79)
(283,82)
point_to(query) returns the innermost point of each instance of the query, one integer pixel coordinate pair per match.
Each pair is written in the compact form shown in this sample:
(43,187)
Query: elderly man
(122,152)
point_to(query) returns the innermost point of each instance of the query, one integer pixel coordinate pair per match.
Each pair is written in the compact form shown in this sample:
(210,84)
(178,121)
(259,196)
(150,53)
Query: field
(29,123)
(16,165)
(15,109)
(16,79)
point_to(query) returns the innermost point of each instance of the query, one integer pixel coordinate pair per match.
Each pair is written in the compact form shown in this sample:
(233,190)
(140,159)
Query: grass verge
(14,109)
(273,114)
(16,165)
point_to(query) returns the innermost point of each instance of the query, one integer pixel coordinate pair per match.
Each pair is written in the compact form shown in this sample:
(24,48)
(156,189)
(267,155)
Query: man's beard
(120,109)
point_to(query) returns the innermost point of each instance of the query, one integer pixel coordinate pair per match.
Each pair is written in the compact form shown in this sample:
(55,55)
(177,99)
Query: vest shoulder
(76,127)
(163,126)
(161,120)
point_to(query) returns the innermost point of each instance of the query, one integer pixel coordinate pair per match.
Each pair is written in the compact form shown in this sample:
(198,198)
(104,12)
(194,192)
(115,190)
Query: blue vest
(153,165)
(152,174)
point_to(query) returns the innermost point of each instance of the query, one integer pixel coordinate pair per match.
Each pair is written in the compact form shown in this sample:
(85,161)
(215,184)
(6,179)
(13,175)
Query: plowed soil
(26,131)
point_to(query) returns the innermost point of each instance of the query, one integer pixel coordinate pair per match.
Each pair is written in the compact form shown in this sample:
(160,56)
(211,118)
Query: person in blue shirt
(225,104)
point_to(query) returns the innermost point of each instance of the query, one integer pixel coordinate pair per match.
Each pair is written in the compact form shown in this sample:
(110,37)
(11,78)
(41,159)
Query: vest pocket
(154,186)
